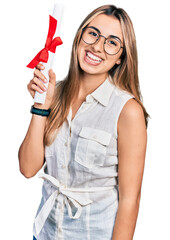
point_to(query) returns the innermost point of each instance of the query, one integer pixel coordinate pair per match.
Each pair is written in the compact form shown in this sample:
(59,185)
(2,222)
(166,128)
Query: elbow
(26,174)
(25,171)
(28,164)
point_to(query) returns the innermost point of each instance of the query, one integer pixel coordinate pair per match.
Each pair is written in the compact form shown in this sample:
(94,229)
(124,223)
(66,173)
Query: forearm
(125,220)
(31,152)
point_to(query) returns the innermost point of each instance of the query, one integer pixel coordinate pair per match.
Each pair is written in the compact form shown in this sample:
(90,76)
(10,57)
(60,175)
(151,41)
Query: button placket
(60,215)
(64,159)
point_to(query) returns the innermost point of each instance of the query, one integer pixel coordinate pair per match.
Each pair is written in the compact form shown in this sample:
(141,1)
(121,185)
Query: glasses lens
(90,35)
(112,46)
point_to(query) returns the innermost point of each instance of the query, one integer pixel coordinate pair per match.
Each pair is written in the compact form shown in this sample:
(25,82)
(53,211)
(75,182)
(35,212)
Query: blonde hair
(124,75)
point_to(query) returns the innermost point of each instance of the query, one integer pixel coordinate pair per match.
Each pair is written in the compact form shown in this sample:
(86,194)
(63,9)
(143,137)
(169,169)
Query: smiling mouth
(93,58)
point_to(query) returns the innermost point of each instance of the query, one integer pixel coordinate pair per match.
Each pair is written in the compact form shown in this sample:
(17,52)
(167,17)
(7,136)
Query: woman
(94,139)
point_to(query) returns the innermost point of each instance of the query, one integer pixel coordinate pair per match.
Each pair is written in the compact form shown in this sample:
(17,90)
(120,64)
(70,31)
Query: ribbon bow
(66,195)
(50,45)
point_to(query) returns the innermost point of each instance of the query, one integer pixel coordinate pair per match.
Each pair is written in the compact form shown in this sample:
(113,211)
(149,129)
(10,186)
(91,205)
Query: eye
(112,42)
(93,34)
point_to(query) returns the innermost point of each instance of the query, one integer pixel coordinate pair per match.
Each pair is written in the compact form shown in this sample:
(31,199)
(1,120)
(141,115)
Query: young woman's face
(92,58)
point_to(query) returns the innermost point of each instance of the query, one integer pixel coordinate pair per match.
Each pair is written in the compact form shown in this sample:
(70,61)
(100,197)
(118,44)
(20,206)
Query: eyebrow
(110,36)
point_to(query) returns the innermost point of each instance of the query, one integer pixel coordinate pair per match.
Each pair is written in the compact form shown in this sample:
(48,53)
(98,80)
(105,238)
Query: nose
(99,45)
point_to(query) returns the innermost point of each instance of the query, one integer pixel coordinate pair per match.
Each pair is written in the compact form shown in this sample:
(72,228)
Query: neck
(89,82)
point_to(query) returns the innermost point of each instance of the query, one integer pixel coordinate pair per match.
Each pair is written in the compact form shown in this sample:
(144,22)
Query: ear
(118,61)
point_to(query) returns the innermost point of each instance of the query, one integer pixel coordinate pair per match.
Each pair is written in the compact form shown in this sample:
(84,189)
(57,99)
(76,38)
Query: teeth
(94,57)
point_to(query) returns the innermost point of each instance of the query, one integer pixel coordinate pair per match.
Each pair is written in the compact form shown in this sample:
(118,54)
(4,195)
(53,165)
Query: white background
(23,27)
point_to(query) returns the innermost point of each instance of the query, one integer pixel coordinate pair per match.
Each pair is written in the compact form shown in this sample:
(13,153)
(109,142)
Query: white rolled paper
(57,14)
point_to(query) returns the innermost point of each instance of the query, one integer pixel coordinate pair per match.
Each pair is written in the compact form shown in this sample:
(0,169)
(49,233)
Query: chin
(88,70)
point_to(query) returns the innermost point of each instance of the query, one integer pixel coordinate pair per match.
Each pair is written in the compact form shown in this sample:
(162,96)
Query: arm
(132,138)
(31,152)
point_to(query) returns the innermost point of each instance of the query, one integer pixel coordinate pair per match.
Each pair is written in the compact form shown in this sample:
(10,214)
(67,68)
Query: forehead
(108,25)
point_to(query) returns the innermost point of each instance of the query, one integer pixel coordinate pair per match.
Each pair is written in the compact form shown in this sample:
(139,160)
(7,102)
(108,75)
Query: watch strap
(41,112)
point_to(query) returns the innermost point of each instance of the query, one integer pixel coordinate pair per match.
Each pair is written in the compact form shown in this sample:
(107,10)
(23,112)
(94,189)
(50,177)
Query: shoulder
(132,109)
(131,116)
(121,93)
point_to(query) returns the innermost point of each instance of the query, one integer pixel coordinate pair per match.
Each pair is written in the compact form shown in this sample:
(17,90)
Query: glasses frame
(100,35)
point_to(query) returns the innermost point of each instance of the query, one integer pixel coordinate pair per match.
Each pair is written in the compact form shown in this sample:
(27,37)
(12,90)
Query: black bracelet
(41,112)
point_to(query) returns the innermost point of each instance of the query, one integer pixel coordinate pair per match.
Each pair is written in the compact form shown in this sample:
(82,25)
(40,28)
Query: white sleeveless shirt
(80,189)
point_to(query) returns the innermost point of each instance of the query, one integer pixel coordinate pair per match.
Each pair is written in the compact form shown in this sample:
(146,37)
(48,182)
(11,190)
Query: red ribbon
(50,45)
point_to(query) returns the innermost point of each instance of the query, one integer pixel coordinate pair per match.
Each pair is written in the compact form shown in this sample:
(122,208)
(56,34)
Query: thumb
(52,77)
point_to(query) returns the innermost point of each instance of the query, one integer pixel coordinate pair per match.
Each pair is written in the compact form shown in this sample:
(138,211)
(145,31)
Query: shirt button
(65,144)
(60,229)
(63,166)
(60,207)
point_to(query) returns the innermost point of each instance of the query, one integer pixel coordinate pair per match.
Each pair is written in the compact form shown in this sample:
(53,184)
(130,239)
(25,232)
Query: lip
(86,59)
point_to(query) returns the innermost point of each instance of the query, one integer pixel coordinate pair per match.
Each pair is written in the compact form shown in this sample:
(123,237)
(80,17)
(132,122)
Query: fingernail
(42,67)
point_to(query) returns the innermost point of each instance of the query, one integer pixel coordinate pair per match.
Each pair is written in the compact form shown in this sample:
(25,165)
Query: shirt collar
(103,93)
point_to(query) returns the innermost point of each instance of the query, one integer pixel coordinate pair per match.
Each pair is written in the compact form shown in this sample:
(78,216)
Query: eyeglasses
(112,44)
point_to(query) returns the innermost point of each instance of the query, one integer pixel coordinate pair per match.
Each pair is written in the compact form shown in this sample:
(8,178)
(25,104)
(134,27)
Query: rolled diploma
(57,14)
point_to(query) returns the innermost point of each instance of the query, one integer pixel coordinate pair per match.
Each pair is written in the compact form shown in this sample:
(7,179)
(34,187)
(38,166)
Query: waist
(77,196)
(56,184)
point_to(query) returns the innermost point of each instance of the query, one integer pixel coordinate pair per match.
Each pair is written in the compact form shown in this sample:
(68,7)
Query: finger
(34,88)
(29,85)
(32,92)
(39,84)
(52,77)
(40,75)
(40,66)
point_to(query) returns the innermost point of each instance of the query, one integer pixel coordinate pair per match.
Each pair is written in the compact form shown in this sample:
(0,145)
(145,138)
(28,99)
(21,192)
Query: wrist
(41,106)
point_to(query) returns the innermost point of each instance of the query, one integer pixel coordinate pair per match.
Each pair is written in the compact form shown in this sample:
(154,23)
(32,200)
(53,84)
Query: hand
(38,84)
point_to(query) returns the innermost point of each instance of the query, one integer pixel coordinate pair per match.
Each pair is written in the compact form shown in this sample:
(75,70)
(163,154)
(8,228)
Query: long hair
(124,75)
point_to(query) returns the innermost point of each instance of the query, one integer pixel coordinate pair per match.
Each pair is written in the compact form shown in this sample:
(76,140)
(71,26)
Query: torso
(75,160)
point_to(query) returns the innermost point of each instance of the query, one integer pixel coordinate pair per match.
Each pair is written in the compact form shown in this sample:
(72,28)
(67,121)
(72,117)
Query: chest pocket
(91,147)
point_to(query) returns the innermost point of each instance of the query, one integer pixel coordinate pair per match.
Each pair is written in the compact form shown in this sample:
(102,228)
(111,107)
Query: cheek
(110,64)
(112,60)
(81,46)
(80,52)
